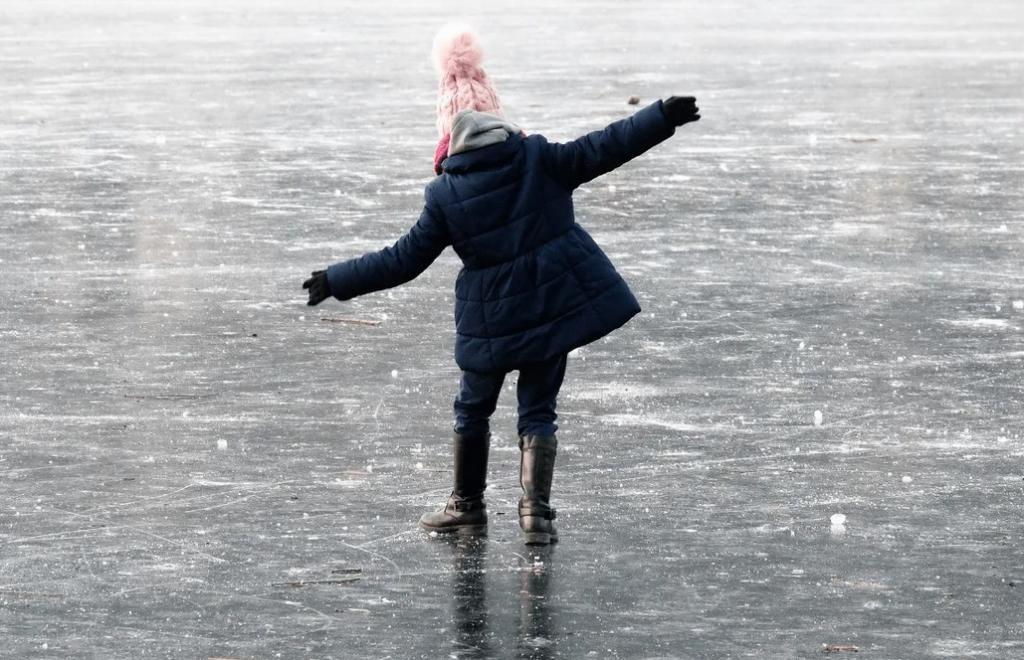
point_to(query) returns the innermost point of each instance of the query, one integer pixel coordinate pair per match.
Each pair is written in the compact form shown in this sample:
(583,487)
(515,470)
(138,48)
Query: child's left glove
(319,289)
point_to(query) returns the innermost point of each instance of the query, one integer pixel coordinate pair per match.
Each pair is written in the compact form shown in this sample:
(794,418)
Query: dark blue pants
(537,390)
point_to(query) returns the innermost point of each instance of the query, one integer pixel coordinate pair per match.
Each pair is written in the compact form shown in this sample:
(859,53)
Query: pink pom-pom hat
(464,85)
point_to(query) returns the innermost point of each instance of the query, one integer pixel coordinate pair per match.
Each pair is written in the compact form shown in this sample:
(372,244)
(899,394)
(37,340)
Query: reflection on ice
(476,633)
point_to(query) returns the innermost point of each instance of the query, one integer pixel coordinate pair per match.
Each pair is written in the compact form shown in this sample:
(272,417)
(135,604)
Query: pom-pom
(463,85)
(457,50)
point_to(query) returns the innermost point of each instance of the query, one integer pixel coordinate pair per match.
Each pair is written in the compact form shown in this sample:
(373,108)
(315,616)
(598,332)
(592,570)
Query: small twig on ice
(353,321)
(303,583)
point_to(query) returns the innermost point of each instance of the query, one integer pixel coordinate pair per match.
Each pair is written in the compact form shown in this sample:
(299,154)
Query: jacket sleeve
(586,158)
(394,265)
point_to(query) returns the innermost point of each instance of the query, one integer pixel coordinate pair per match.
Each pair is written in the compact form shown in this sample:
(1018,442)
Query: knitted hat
(464,84)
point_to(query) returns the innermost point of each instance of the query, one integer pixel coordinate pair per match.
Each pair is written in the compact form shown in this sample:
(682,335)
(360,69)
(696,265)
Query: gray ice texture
(196,465)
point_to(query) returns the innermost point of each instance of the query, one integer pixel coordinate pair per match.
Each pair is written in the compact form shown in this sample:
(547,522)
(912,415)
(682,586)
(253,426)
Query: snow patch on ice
(998,324)
(613,391)
(210,482)
(331,247)
(165,567)
(768,528)
(627,419)
(362,202)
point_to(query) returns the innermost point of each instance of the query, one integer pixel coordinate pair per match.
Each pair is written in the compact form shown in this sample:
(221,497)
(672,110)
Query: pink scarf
(441,152)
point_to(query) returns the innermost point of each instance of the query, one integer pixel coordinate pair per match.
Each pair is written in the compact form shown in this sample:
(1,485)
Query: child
(534,285)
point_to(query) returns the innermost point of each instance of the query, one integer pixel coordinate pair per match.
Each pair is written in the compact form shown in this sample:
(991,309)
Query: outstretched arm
(387,268)
(586,158)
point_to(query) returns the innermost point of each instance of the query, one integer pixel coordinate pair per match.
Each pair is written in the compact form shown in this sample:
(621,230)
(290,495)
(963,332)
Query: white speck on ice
(818,418)
(419,466)
(838,519)
(222,443)
(907,479)
(1018,304)
(394,373)
(369,469)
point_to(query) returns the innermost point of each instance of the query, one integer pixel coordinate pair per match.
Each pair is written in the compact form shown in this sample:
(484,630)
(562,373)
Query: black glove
(319,289)
(680,109)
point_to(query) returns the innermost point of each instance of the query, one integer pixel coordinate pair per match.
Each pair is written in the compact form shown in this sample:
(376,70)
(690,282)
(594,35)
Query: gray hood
(472,129)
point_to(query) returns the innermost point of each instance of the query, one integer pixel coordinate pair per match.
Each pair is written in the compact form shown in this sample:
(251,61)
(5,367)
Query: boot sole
(462,530)
(540,538)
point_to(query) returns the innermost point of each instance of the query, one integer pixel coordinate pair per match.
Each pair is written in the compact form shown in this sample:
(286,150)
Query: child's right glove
(680,109)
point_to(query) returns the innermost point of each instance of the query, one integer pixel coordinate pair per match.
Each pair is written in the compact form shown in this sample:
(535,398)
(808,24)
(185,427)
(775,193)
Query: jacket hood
(472,130)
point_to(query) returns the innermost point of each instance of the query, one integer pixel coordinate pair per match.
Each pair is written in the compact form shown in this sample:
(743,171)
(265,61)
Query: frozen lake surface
(196,465)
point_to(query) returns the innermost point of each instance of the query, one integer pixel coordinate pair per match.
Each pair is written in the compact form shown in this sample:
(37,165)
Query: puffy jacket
(534,284)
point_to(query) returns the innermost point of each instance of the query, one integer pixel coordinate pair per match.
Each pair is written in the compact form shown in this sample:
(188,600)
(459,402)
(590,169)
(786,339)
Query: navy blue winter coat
(534,284)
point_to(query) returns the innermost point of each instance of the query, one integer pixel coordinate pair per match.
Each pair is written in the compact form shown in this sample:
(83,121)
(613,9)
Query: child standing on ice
(534,285)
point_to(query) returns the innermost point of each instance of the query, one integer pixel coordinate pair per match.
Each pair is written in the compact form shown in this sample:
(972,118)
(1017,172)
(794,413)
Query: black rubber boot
(536,470)
(465,513)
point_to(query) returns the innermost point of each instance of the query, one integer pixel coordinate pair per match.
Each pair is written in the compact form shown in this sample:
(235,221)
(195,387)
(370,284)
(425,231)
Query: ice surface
(171,171)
